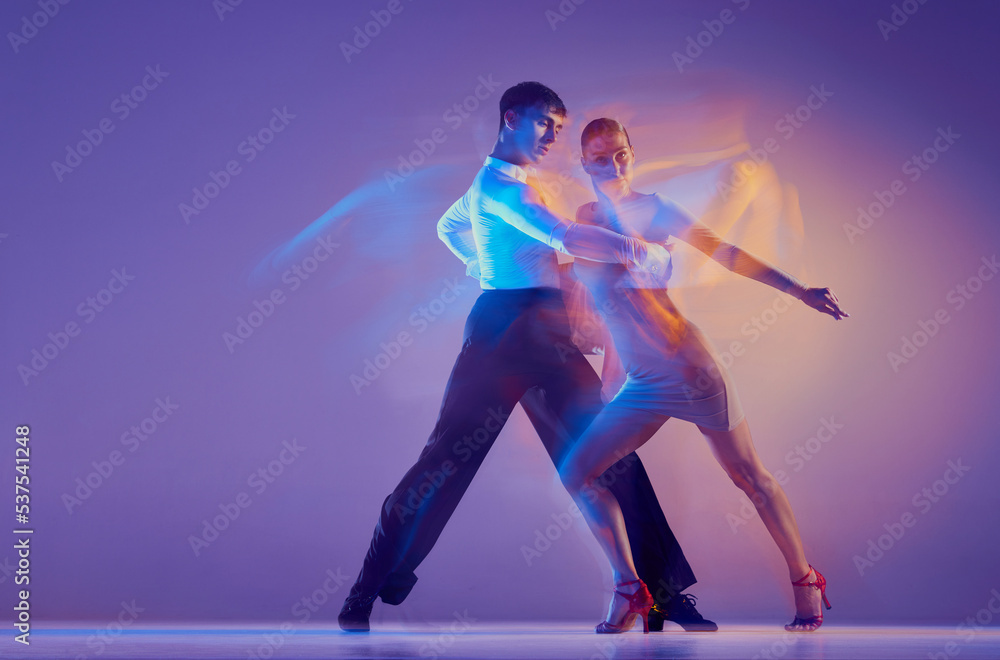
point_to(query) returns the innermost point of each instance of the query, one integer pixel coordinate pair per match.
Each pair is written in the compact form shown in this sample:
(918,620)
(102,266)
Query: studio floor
(507,641)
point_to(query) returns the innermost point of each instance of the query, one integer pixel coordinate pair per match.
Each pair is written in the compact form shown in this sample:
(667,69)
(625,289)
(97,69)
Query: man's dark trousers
(516,347)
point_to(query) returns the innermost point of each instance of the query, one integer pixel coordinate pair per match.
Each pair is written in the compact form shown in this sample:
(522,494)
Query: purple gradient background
(163,335)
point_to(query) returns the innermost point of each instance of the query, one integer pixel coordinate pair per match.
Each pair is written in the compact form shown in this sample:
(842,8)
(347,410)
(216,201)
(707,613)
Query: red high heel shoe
(639,604)
(812,623)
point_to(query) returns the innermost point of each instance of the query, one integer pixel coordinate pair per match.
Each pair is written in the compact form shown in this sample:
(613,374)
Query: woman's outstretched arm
(743,263)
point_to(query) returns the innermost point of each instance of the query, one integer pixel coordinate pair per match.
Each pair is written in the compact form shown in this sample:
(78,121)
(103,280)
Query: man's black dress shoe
(681,610)
(355,613)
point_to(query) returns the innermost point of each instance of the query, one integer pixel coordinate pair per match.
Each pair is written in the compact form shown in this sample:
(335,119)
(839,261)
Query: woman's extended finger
(836,311)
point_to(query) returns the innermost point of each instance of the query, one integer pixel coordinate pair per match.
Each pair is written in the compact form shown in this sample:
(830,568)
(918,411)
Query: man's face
(535,131)
(608,159)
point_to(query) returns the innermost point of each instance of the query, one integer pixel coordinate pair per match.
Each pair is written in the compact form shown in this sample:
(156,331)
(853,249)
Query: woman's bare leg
(736,454)
(614,433)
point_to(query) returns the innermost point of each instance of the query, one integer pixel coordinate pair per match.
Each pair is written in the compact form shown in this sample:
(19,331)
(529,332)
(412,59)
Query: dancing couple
(515,350)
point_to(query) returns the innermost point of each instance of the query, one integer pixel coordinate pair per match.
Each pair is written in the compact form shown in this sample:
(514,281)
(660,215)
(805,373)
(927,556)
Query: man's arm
(522,207)
(455,230)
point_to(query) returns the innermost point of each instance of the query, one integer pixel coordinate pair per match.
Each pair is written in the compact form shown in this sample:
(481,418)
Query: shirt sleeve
(455,229)
(521,207)
(739,261)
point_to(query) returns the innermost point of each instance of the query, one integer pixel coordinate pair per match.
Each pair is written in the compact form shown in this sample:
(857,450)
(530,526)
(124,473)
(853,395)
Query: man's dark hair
(602,126)
(530,94)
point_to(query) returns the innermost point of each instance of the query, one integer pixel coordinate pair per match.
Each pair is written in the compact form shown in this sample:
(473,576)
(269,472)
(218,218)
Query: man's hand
(825,301)
(657,260)
(654,271)
(472,268)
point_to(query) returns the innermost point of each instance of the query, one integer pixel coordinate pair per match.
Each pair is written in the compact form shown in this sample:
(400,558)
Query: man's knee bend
(573,478)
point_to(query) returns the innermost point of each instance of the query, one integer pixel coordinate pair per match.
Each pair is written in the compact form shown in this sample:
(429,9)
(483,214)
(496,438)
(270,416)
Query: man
(517,347)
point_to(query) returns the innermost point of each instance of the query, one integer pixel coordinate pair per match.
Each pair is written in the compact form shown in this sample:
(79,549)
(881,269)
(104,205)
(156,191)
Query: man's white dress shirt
(503,222)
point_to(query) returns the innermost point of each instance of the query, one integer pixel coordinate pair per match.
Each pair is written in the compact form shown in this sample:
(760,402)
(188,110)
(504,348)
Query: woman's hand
(825,301)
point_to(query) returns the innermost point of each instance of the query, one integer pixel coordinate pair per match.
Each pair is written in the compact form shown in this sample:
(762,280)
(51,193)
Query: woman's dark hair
(530,94)
(602,126)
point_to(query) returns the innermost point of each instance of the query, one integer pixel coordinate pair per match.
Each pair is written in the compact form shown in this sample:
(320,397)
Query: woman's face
(608,159)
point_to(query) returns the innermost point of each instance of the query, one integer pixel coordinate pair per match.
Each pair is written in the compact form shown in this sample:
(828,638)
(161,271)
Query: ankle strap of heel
(801,582)
(625,584)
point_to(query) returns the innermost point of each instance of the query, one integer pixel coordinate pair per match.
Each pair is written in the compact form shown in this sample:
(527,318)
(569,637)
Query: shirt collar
(510,169)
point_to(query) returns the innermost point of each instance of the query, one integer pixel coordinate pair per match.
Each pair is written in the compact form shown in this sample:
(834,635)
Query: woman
(671,371)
